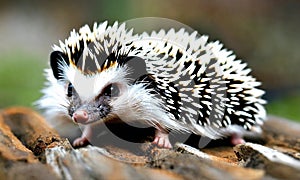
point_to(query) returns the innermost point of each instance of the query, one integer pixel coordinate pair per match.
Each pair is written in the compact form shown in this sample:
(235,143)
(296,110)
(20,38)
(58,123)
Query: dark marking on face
(111,90)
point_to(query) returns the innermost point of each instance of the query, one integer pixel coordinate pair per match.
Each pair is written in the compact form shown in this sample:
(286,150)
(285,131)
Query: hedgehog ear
(137,66)
(57,60)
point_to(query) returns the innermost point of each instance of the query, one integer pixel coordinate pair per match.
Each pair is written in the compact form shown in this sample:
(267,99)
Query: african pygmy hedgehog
(184,83)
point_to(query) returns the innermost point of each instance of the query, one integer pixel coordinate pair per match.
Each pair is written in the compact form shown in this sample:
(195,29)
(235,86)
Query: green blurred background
(265,34)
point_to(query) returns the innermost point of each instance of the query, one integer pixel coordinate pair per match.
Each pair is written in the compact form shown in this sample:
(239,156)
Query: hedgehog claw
(162,139)
(79,142)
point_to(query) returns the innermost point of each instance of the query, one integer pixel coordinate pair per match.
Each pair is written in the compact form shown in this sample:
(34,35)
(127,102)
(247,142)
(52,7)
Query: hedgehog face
(116,91)
(87,111)
(89,96)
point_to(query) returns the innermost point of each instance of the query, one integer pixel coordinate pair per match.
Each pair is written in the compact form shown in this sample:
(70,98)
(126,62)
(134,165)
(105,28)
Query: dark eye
(112,90)
(70,90)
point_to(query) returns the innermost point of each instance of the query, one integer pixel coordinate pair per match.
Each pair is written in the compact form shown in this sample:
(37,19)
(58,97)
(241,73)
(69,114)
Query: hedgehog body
(171,80)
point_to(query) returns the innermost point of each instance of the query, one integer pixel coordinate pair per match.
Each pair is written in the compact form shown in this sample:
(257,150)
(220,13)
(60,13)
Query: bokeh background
(265,34)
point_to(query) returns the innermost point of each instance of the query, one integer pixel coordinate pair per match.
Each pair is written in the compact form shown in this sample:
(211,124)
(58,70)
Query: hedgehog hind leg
(236,139)
(161,138)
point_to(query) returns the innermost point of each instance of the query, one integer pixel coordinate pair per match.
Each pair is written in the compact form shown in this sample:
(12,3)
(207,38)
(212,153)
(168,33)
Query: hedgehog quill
(186,83)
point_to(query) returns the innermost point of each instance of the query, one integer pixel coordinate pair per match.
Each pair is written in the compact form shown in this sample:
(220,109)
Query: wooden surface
(30,149)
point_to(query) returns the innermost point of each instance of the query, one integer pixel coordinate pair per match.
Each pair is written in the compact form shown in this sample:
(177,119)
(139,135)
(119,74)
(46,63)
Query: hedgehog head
(93,78)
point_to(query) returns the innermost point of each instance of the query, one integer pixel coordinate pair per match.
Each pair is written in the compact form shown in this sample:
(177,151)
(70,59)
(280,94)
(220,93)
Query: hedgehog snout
(80,116)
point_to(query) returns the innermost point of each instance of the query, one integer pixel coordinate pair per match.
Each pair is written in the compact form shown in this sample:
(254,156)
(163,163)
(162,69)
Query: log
(16,160)
(31,128)
(30,148)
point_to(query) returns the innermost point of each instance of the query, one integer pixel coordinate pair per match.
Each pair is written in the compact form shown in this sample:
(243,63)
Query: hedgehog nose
(80,116)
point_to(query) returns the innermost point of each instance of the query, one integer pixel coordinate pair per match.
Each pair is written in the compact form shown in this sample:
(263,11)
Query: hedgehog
(171,80)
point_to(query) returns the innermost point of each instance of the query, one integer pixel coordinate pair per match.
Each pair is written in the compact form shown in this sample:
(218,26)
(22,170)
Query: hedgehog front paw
(81,141)
(162,139)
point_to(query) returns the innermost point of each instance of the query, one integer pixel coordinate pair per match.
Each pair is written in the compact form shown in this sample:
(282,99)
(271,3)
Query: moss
(288,107)
(21,78)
